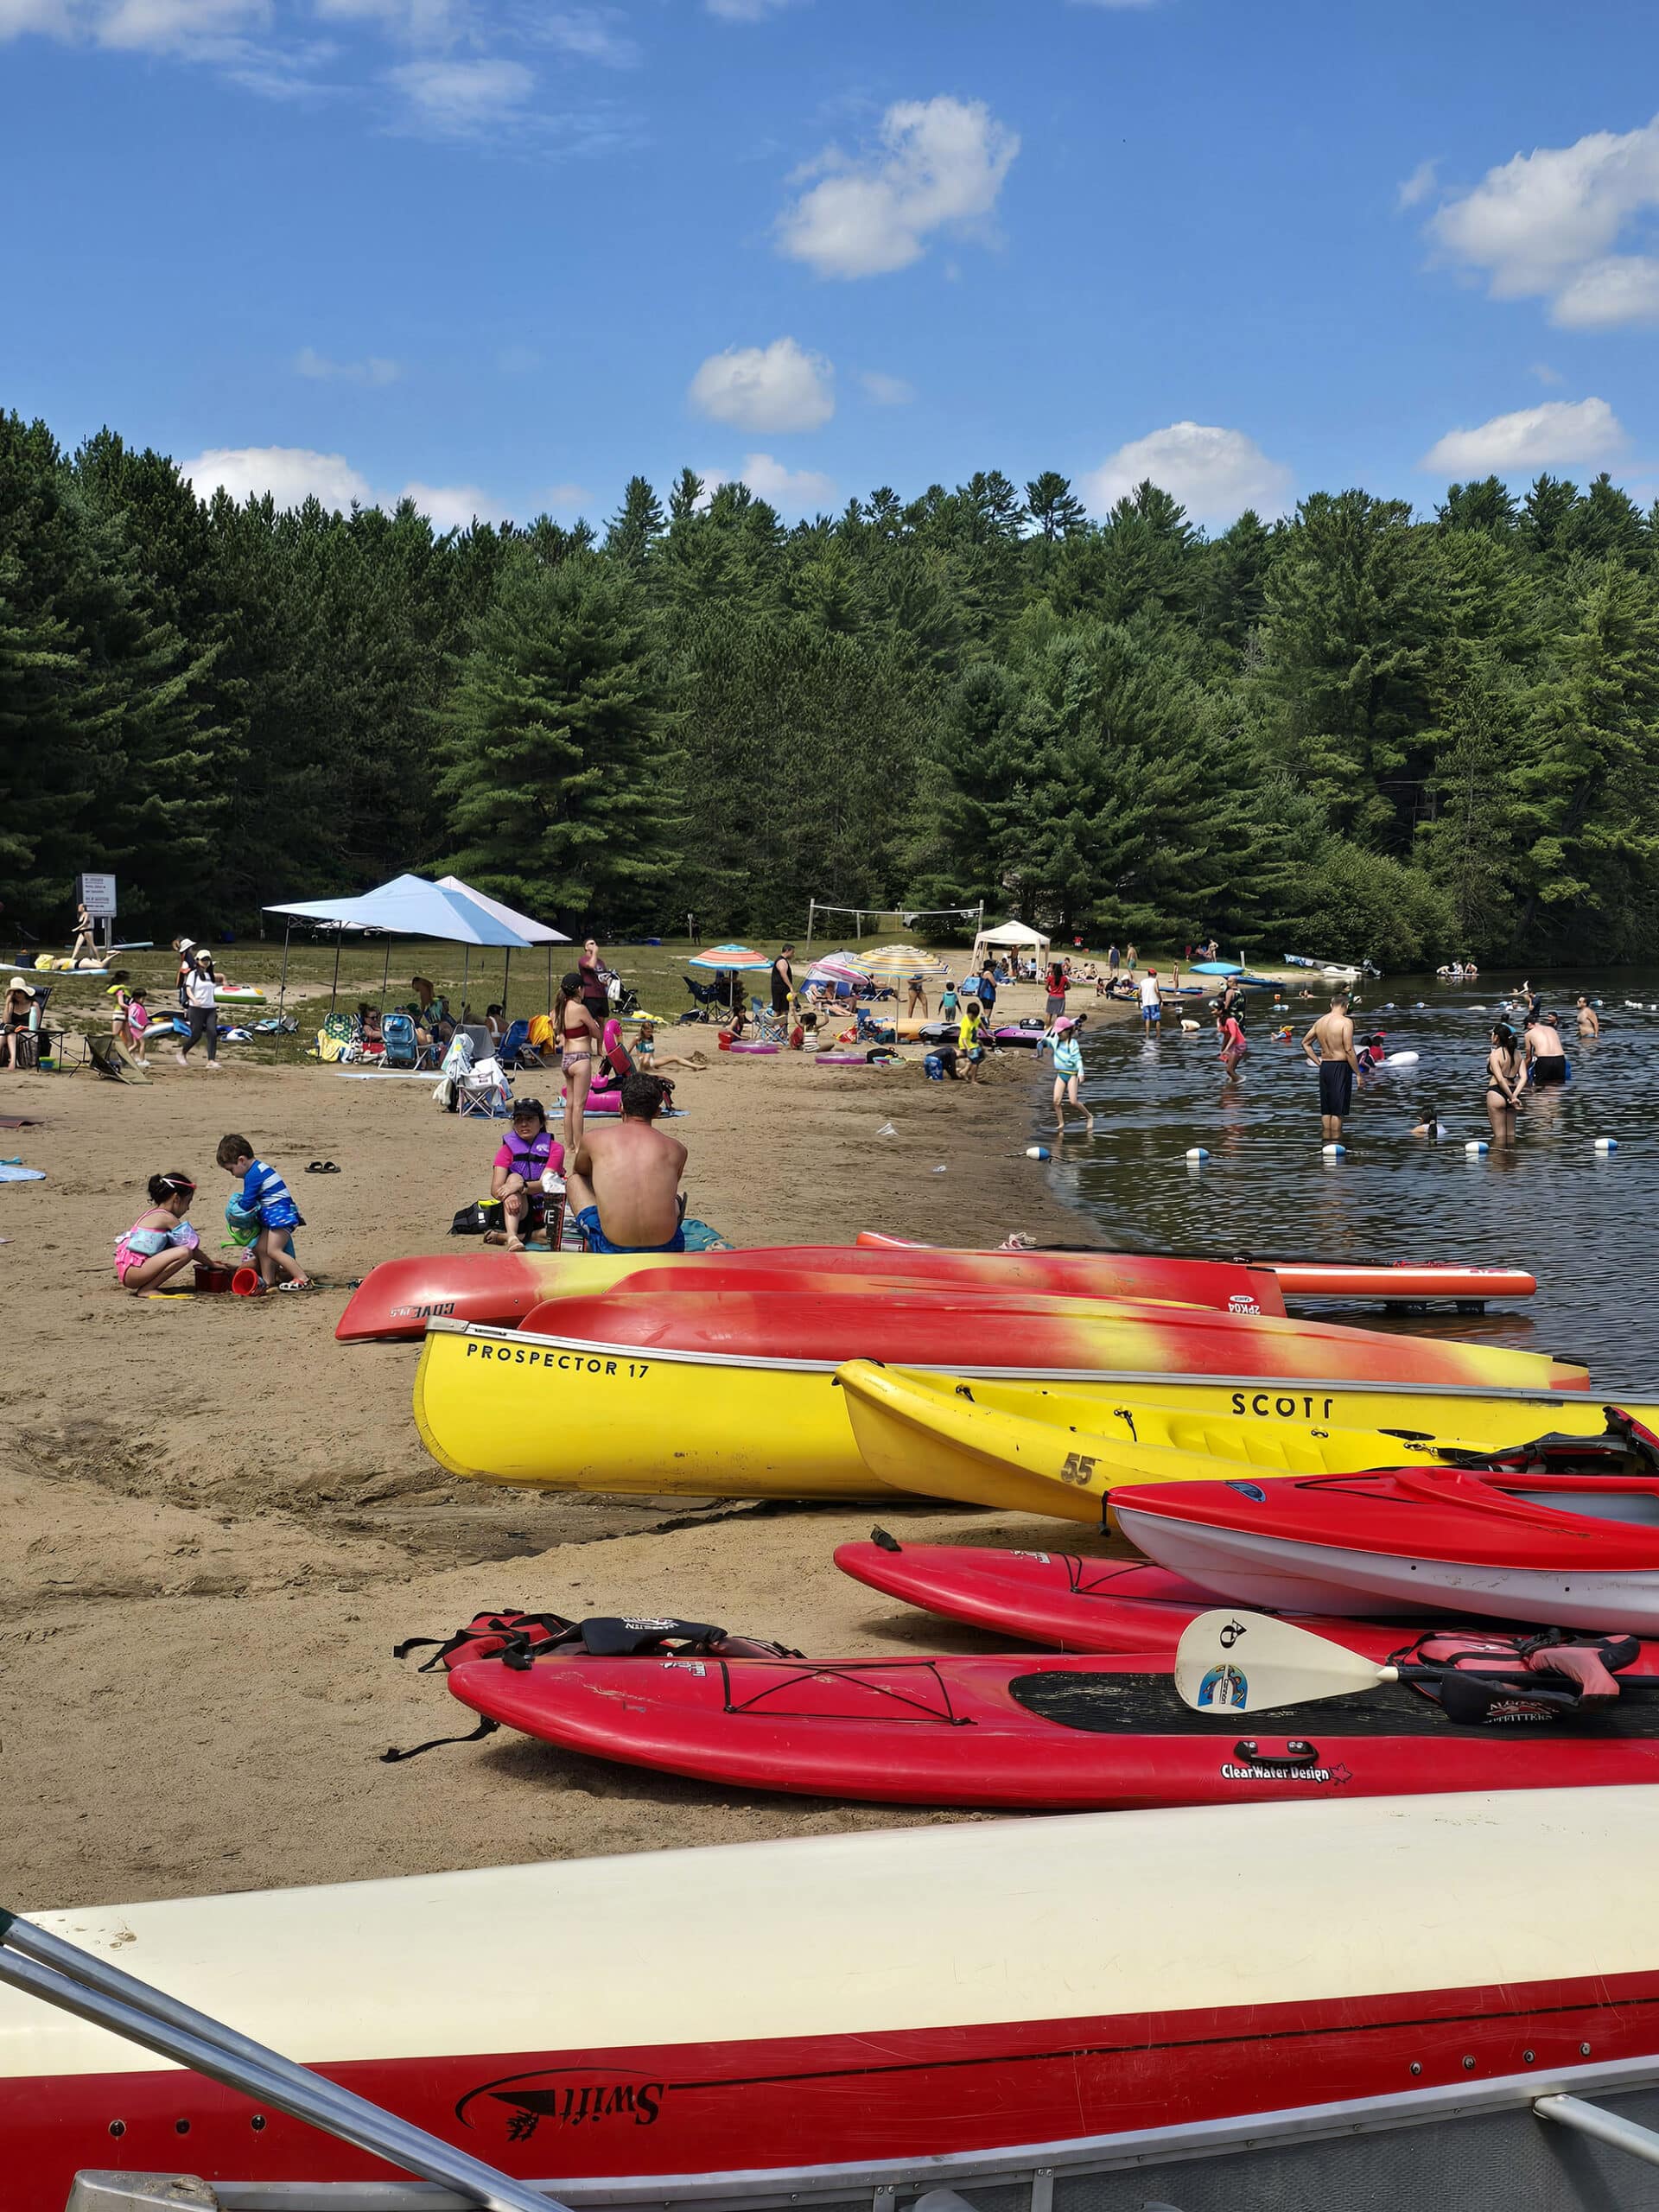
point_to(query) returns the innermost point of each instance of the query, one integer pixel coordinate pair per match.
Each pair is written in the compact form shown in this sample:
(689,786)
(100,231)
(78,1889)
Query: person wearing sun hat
(20,1010)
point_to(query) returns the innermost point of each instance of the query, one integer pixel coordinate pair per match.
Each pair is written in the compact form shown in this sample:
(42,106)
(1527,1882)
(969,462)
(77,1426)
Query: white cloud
(421,23)
(746,11)
(886,391)
(454,506)
(1418,186)
(307,362)
(939,164)
(1544,225)
(290,473)
(794,489)
(1532,437)
(1545,374)
(776,387)
(458,98)
(560,498)
(592,35)
(186,27)
(1214,473)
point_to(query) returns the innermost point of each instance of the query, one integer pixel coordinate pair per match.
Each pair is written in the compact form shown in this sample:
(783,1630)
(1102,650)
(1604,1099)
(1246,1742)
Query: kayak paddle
(1230,1661)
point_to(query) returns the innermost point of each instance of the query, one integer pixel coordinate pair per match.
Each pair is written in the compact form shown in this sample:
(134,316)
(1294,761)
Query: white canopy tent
(409,905)
(1011,937)
(534,932)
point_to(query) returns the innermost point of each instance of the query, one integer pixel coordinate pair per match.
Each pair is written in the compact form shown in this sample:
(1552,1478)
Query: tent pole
(282,994)
(466,966)
(506,969)
(386,980)
(339,939)
(550,976)
(811,907)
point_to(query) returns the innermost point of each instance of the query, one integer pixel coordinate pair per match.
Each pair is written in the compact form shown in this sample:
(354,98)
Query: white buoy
(1401,1060)
(1037,1152)
(1606,1144)
(1477,1144)
(1335,1151)
(1197,1152)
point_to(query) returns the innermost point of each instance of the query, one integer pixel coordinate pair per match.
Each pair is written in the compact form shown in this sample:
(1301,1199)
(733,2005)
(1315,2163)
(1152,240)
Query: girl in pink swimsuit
(161,1244)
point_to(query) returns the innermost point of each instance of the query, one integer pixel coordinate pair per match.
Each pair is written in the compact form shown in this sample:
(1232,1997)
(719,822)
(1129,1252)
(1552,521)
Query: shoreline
(221,1521)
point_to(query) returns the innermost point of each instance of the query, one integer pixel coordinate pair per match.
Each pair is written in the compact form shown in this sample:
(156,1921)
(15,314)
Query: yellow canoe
(1062,1450)
(558,1412)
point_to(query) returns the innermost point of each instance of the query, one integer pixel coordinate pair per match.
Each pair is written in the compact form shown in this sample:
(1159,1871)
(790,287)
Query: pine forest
(1359,730)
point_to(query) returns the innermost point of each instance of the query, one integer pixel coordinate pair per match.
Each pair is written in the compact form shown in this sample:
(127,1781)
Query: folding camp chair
(705,995)
(483,1090)
(516,1049)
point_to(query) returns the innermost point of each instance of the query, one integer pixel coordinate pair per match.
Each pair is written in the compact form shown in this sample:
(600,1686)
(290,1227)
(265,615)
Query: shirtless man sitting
(1333,1032)
(624,1182)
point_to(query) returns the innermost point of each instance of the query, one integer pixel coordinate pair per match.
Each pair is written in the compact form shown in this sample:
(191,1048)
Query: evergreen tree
(1053,508)
(560,778)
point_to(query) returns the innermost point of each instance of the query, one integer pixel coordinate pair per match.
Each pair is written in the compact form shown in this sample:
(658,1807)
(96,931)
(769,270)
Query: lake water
(1580,1220)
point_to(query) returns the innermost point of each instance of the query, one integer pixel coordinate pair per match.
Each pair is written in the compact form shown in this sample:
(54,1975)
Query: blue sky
(505,255)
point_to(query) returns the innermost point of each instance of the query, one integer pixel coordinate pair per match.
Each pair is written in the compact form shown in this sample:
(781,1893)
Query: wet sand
(218,1521)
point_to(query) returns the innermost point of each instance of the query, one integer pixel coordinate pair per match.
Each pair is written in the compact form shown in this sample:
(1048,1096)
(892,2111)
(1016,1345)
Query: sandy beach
(219,1521)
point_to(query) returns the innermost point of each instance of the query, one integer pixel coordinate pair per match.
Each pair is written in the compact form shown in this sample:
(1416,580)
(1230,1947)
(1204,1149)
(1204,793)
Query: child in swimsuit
(1068,1073)
(161,1244)
(266,1198)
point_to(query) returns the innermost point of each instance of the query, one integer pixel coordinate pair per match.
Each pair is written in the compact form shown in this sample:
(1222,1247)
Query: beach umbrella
(729,959)
(837,967)
(897,963)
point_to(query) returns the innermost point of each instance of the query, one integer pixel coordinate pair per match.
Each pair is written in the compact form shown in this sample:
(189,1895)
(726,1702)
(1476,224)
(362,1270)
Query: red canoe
(1408,1284)
(1578,1550)
(1048,1733)
(954,1330)
(497,1288)
(1071,1603)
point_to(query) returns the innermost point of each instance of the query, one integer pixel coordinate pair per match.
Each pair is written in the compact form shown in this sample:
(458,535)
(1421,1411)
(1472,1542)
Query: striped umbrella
(729,959)
(837,967)
(898,962)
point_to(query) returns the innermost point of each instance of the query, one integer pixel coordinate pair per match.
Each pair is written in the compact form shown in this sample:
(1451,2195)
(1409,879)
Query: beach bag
(478,1218)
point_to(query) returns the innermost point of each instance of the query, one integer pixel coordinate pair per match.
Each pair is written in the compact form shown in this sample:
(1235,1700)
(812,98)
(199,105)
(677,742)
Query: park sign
(97,895)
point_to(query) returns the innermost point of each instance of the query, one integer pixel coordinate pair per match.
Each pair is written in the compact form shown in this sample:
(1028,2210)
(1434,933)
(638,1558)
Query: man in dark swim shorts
(1333,1032)
(624,1184)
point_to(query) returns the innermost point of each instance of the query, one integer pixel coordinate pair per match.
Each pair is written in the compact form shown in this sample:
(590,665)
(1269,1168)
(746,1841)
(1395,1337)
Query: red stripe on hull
(789,2102)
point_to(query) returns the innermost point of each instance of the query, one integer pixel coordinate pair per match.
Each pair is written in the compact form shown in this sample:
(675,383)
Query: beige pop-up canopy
(1010,936)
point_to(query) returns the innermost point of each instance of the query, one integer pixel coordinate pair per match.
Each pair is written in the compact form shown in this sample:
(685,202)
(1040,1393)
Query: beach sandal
(322,1167)
(282,1287)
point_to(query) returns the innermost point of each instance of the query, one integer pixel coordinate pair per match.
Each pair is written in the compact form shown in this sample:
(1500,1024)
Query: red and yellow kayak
(497,1288)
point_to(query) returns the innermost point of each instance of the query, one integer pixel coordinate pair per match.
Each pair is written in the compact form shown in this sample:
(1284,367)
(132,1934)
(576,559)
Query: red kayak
(1581,1550)
(954,1330)
(497,1288)
(1073,1603)
(1407,1283)
(1055,1733)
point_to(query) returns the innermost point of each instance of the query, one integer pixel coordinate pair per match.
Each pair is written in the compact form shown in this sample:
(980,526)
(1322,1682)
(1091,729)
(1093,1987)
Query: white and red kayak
(1577,1550)
(1407,1283)
(715,2016)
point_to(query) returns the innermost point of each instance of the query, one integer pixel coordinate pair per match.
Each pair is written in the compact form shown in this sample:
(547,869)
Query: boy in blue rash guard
(264,1193)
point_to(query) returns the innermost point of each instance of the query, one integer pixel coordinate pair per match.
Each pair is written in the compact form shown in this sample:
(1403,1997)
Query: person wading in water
(1333,1032)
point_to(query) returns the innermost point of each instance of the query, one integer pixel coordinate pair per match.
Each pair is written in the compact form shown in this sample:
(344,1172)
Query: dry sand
(218,1521)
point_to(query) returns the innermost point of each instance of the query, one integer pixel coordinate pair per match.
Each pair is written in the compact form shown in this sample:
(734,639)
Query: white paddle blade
(1230,1661)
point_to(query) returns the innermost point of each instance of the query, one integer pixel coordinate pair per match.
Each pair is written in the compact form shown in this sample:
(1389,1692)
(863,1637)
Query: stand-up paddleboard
(1086,1987)
(1580,1550)
(1053,1733)
(571,1412)
(1410,1283)
(1064,1454)
(1070,1602)
(499,1288)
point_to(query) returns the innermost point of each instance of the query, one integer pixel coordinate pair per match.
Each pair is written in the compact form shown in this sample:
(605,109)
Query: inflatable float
(1040,1734)
(1405,1283)
(1064,1455)
(398,1298)
(944,2004)
(571,1412)
(1528,1544)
